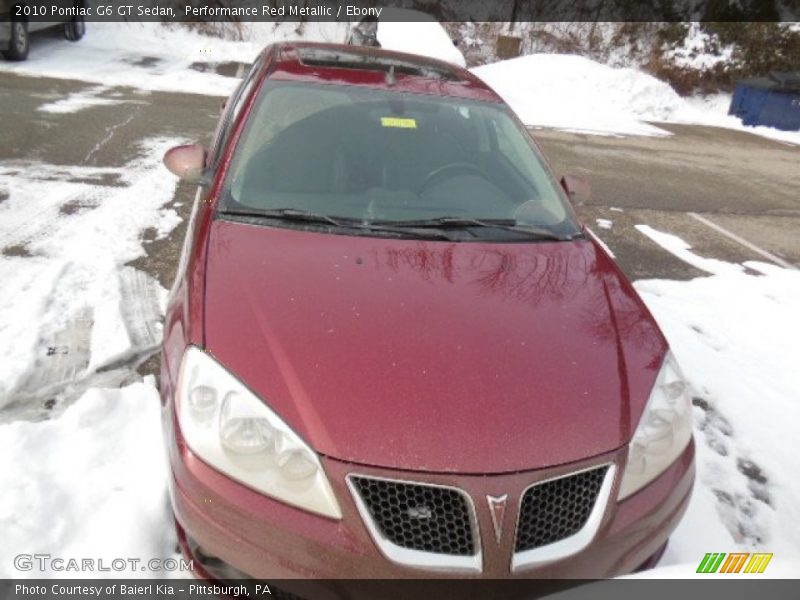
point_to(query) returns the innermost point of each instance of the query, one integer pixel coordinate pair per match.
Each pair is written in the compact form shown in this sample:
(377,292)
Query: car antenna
(390,78)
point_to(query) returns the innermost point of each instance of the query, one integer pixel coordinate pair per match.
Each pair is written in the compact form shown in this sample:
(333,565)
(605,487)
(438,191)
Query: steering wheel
(448,171)
(529,211)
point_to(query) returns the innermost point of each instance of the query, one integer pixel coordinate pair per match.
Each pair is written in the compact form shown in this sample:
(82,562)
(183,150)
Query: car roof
(312,62)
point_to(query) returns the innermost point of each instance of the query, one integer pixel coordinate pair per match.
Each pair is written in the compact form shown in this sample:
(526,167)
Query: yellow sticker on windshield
(398,122)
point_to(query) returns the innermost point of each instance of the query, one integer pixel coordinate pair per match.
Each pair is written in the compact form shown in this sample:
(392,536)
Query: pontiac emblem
(420,512)
(497,507)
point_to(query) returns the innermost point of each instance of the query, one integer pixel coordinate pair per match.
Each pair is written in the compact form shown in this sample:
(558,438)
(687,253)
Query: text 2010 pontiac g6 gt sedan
(393,351)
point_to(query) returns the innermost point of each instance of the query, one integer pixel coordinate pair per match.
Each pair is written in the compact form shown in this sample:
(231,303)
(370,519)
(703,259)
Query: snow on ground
(70,479)
(66,232)
(547,90)
(682,250)
(152,56)
(80,100)
(604,223)
(734,335)
(89,480)
(575,93)
(89,484)
(83,474)
(712,110)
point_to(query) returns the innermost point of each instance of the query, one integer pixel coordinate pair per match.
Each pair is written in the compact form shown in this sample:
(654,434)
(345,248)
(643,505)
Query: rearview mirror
(186,162)
(577,189)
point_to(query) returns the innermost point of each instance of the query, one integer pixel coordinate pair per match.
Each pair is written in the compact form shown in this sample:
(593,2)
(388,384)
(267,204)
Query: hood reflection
(523,273)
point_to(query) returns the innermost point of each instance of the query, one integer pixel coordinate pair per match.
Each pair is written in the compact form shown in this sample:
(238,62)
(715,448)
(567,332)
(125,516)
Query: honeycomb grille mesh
(558,509)
(419,517)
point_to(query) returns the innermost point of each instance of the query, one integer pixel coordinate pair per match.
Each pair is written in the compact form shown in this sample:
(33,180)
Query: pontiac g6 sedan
(392,350)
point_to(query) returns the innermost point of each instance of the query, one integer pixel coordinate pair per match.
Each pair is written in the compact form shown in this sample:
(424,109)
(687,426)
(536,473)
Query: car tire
(20,43)
(75,29)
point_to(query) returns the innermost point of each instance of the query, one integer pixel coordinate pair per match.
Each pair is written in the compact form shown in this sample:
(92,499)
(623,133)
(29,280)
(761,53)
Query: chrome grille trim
(576,542)
(418,558)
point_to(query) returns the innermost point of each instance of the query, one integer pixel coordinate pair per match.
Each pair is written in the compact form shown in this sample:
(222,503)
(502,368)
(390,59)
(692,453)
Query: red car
(392,350)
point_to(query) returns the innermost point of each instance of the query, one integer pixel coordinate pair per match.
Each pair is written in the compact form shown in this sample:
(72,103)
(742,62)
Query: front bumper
(266,539)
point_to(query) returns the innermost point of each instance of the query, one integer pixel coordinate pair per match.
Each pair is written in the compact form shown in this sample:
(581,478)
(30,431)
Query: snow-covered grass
(734,334)
(578,94)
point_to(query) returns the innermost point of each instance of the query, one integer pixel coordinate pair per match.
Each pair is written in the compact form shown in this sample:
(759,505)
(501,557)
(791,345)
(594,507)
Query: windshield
(374,156)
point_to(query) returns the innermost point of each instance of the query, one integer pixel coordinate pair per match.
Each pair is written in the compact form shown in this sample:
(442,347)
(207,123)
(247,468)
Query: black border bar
(442,10)
(743,588)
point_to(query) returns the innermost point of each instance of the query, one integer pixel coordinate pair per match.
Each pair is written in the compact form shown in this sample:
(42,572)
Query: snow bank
(572,92)
(734,334)
(577,94)
(90,484)
(427,37)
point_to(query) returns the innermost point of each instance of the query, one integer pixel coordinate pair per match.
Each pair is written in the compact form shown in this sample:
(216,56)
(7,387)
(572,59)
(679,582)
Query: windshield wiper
(304,216)
(462,222)
(289,214)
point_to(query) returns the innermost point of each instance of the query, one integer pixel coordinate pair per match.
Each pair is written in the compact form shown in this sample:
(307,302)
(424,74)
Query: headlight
(663,432)
(232,430)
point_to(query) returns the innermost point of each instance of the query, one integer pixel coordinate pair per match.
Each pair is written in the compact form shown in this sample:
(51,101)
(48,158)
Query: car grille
(555,510)
(419,517)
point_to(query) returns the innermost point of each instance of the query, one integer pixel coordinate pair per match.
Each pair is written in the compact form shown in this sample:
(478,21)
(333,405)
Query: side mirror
(577,189)
(186,162)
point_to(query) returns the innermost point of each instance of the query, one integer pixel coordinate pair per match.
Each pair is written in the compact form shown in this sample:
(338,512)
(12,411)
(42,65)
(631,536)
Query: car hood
(433,356)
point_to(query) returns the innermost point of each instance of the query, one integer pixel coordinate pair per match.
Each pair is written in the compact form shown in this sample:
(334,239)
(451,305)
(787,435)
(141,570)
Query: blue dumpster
(773,101)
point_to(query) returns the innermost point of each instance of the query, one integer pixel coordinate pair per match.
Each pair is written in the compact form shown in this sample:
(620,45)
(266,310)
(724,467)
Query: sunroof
(323,57)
